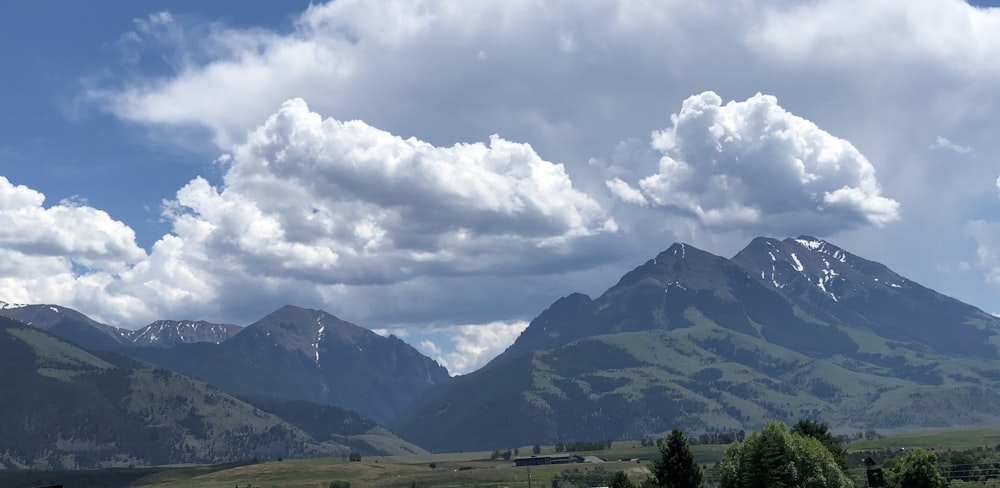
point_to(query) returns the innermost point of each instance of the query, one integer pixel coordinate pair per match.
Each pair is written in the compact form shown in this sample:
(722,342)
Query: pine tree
(775,457)
(676,467)
(620,480)
(821,432)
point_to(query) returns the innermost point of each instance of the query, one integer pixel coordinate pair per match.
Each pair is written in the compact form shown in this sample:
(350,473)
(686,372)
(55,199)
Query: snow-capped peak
(11,306)
(810,243)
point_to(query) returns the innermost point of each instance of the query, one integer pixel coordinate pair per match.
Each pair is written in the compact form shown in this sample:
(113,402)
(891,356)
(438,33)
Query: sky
(444,171)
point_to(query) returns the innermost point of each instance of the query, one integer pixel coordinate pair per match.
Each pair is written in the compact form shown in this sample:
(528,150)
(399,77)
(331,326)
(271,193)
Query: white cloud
(317,212)
(66,253)
(430,349)
(626,192)
(754,165)
(472,346)
(342,202)
(81,234)
(943,143)
(950,35)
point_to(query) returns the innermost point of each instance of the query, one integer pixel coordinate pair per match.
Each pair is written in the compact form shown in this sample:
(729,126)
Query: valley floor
(456,469)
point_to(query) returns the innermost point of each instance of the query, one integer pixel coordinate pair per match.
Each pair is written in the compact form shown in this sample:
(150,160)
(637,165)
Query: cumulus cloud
(67,253)
(344,203)
(754,165)
(626,192)
(341,215)
(71,230)
(951,35)
(467,348)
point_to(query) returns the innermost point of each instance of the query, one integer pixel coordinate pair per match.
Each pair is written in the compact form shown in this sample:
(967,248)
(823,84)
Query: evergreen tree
(676,467)
(776,458)
(821,432)
(620,480)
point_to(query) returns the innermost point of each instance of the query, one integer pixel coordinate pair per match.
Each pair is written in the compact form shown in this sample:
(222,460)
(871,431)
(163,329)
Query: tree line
(805,456)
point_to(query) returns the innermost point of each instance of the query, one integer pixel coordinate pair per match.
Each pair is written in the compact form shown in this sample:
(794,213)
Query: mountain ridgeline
(786,329)
(291,354)
(169,333)
(90,334)
(783,330)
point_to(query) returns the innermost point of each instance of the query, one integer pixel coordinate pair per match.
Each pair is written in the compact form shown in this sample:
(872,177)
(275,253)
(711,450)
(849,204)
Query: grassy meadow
(935,439)
(453,469)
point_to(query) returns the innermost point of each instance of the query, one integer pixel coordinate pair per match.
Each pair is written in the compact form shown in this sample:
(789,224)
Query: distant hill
(330,423)
(65,407)
(786,329)
(68,408)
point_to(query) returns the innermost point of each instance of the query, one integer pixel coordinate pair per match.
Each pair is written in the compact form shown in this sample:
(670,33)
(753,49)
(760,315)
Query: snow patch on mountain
(811,244)
(11,306)
(319,337)
(827,278)
(798,264)
(167,333)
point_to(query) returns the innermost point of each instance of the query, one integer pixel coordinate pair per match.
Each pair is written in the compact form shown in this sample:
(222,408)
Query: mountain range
(785,329)
(293,354)
(74,326)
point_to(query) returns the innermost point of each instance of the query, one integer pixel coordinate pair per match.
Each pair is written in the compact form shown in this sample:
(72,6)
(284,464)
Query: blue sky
(445,170)
(59,145)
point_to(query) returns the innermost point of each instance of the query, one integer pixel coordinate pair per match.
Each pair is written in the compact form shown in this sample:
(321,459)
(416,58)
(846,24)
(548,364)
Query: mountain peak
(677,249)
(68,324)
(289,308)
(683,252)
(338,362)
(808,242)
(818,245)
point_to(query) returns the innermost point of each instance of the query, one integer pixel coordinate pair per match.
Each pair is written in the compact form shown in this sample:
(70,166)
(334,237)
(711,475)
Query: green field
(451,469)
(382,472)
(943,439)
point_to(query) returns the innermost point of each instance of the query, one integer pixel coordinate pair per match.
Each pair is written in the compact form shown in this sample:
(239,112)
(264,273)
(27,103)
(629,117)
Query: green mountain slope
(330,423)
(704,343)
(65,407)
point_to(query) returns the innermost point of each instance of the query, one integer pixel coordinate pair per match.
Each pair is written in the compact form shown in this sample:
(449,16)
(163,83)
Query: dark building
(543,460)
